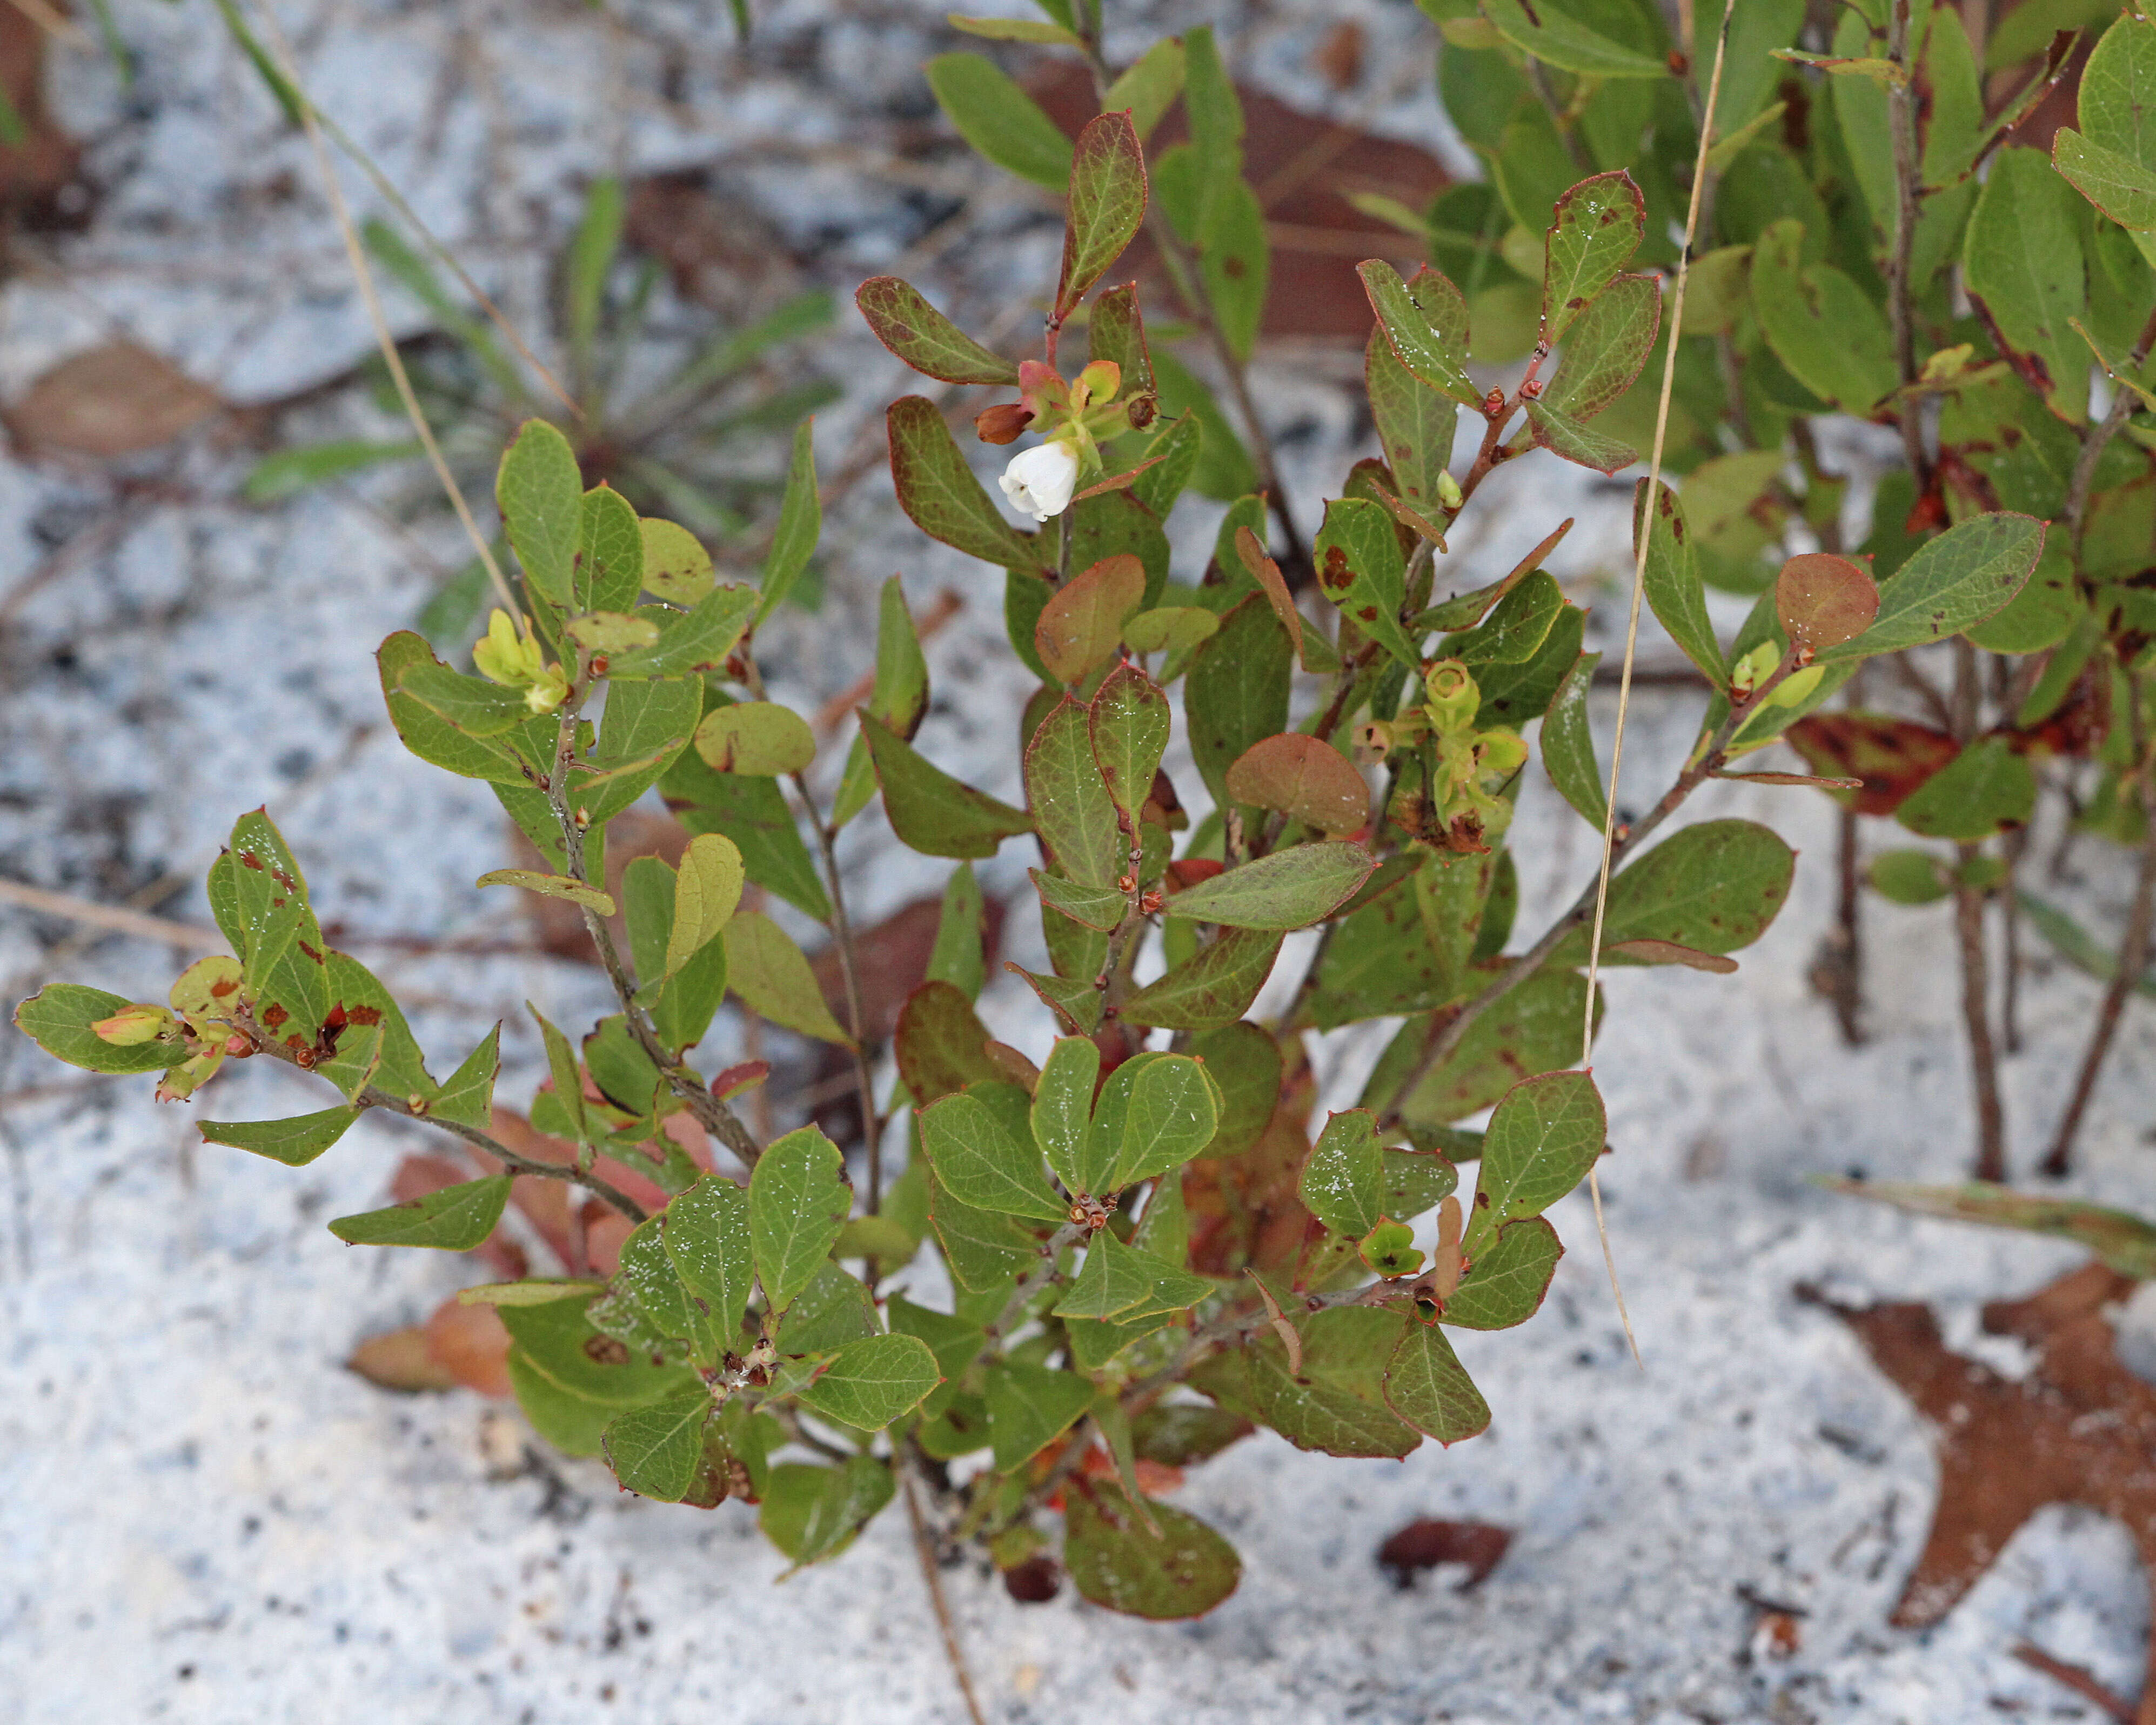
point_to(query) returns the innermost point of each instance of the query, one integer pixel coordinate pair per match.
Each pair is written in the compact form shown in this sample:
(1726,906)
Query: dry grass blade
(1632,632)
(924,1547)
(356,252)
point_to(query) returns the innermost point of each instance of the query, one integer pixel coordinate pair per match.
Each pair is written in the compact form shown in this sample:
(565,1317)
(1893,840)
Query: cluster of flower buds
(509,654)
(199,1019)
(1075,415)
(1464,768)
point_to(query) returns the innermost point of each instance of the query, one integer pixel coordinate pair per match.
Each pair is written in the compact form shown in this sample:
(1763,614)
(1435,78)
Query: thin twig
(1902,116)
(1975,964)
(842,932)
(2132,961)
(1632,638)
(193,937)
(2094,444)
(924,1547)
(2076,1679)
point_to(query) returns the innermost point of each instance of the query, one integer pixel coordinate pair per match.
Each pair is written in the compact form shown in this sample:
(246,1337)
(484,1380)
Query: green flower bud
(1450,696)
(135,1026)
(1448,490)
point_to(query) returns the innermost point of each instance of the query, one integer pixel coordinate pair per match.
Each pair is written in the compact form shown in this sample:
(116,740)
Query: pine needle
(1632,634)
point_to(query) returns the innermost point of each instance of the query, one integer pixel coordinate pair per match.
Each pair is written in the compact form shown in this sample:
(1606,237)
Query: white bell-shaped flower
(1040,480)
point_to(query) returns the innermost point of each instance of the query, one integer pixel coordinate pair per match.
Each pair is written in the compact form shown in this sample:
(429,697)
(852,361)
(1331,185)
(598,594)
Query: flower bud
(1450,696)
(1003,423)
(1448,490)
(134,1025)
(1752,669)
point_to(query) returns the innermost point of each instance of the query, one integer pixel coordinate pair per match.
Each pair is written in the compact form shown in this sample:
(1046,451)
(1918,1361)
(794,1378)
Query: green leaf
(676,566)
(1336,1404)
(1289,888)
(1515,630)
(1214,986)
(870,1382)
(295,1143)
(1244,1063)
(1416,424)
(1361,569)
(453,1220)
(1119,1563)
(919,334)
(540,491)
(1987,788)
(432,738)
(758,738)
(1071,807)
(1342,1183)
(754,813)
(1167,1116)
(1714,887)
(832,1311)
(812,1514)
(282,957)
(1506,1285)
(1016,29)
(1029,1407)
(1821,326)
(1107,201)
(767,969)
(710,1242)
(976,1147)
(1235,260)
(1908,877)
(1534,1028)
(1969,573)
(1568,745)
(937,490)
(800,524)
(1235,693)
(700,639)
(560,887)
(939,1042)
(2022,262)
(1426,1385)
(1558,40)
(931,812)
(556,1338)
(1564,436)
(58,1018)
(798,1202)
(1424,324)
(644,728)
(2118,186)
(957,957)
(2124,1242)
(473,706)
(1112,1281)
(1673,585)
(1082,623)
(1000,119)
(1063,1118)
(1543,1138)
(286,473)
(609,564)
(983,1249)
(1147,87)
(898,695)
(1594,231)
(1129,723)
(1099,908)
(1606,347)
(707,889)
(654,1450)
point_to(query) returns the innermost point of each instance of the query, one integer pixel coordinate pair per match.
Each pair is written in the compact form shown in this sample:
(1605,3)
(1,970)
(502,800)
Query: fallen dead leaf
(119,399)
(2079,1429)
(471,1344)
(401,1360)
(1425,1543)
(1303,167)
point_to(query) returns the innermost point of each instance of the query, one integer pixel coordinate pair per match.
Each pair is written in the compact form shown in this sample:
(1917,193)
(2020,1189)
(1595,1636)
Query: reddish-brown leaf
(1893,757)
(2079,1429)
(1824,600)
(400,1360)
(1082,622)
(1425,1543)
(471,1344)
(119,399)
(1305,779)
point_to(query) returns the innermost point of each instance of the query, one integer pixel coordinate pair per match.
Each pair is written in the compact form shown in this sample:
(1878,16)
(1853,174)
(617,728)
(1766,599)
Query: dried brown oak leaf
(119,399)
(2079,1429)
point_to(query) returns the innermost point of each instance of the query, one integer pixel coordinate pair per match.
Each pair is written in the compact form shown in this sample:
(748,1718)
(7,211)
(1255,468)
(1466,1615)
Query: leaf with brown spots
(1893,757)
(2079,1428)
